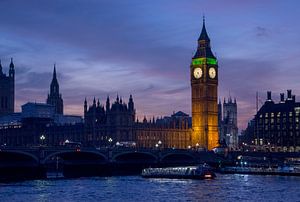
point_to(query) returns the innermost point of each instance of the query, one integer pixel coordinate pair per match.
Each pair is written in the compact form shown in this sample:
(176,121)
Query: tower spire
(11,63)
(107,104)
(203,35)
(204,50)
(54,71)
(85,106)
(11,68)
(55,98)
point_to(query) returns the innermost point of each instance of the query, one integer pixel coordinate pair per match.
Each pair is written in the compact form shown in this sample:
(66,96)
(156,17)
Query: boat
(284,170)
(200,172)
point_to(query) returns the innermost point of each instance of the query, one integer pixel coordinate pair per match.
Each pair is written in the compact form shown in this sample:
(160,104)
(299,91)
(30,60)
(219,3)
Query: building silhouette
(228,128)
(54,97)
(7,90)
(114,121)
(204,88)
(275,127)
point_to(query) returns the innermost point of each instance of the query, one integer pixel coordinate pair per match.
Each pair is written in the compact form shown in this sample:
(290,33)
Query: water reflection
(135,188)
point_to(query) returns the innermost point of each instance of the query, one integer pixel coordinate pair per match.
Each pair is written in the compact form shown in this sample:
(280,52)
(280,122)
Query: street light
(197,146)
(159,143)
(189,147)
(42,138)
(110,141)
(156,145)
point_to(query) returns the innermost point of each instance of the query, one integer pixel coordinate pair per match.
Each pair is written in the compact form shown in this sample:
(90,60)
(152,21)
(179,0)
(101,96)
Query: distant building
(37,110)
(168,132)
(276,125)
(54,97)
(7,90)
(228,129)
(114,121)
(37,119)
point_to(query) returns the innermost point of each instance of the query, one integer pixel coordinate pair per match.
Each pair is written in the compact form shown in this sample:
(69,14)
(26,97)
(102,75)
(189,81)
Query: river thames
(134,188)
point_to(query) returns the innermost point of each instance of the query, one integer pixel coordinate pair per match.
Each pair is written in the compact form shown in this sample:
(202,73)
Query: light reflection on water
(135,188)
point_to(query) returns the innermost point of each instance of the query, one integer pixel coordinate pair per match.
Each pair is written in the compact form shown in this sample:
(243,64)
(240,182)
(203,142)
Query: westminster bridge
(73,162)
(36,162)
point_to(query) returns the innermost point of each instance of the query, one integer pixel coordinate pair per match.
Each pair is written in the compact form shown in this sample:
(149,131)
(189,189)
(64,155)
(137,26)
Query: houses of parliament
(113,121)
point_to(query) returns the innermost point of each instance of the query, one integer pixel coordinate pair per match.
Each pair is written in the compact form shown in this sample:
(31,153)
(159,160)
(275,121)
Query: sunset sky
(144,48)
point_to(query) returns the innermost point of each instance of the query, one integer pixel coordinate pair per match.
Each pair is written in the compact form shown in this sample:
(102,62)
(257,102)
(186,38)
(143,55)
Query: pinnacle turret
(11,69)
(11,63)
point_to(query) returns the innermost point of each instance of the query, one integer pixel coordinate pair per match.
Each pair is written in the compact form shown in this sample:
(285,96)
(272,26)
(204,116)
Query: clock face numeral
(198,73)
(212,72)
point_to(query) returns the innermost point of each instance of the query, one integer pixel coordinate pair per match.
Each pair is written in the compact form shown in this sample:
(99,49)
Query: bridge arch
(90,155)
(178,157)
(17,156)
(135,156)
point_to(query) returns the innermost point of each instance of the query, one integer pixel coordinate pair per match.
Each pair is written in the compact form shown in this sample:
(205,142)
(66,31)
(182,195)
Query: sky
(144,48)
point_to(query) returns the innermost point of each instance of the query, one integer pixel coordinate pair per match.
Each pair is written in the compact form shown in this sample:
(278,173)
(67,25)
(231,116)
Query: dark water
(135,188)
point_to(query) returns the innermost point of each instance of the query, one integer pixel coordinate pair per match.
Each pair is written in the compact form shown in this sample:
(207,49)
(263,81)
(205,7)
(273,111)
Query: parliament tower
(54,97)
(204,83)
(7,90)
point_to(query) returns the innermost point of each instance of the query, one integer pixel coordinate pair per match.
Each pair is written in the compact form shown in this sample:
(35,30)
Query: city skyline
(148,53)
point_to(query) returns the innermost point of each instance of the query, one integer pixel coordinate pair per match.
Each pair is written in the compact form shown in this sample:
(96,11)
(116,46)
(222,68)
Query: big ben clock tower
(204,83)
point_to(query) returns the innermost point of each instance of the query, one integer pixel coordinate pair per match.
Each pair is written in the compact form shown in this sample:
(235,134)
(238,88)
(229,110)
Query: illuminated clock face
(197,72)
(212,73)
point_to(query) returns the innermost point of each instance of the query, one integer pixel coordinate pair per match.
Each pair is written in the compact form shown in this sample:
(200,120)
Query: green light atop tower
(201,61)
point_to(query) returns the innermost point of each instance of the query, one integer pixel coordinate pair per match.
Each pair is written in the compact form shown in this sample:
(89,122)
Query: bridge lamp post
(159,143)
(42,138)
(189,147)
(197,146)
(156,146)
(110,141)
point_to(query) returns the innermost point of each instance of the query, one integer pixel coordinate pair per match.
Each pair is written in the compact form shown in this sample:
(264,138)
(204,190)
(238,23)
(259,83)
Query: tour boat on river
(192,172)
(285,170)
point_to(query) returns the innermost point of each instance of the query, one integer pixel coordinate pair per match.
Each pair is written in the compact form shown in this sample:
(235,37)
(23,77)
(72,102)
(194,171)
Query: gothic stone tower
(54,98)
(7,90)
(204,83)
